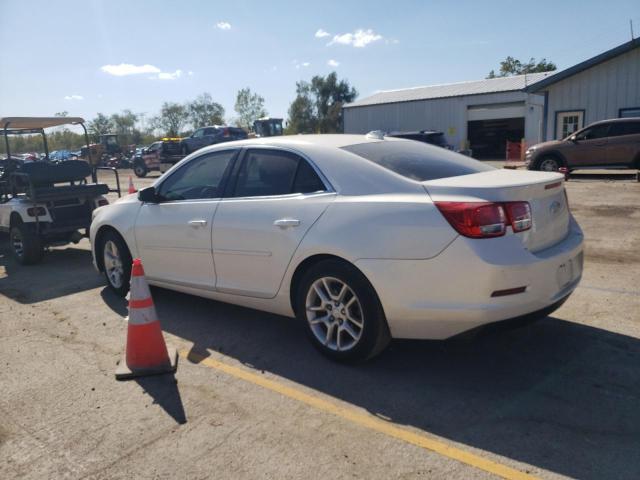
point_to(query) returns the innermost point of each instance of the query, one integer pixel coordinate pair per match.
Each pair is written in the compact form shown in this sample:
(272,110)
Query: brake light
(225,133)
(475,219)
(486,219)
(519,215)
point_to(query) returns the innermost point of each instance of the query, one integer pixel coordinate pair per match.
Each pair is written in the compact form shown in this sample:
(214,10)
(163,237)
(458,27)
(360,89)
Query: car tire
(140,170)
(342,313)
(116,262)
(26,246)
(548,164)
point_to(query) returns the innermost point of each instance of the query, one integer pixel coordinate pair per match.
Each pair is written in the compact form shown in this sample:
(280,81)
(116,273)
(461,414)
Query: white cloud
(298,65)
(223,25)
(333,63)
(190,73)
(359,39)
(321,33)
(169,75)
(74,97)
(124,69)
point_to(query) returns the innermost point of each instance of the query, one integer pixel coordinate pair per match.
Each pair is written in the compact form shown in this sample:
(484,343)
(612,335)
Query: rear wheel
(342,312)
(116,261)
(548,164)
(140,170)
(26,246)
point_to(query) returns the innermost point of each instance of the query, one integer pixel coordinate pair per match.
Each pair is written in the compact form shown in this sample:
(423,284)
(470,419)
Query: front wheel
(116,262)
(342,312)
(26,246)
(140,170)
(548,164)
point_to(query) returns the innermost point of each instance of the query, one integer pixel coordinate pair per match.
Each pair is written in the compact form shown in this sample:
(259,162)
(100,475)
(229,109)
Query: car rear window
(417,161)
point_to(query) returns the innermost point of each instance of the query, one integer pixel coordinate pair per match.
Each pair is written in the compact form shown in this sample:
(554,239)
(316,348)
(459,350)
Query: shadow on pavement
(558,395)
(164,391)
(62,272)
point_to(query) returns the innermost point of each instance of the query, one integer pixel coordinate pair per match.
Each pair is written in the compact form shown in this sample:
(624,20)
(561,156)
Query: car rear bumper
(451,293)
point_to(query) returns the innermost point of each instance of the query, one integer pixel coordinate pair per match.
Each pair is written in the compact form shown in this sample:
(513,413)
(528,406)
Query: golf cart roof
(16,123)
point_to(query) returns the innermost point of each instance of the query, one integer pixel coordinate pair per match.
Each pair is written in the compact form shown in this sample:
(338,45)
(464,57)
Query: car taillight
(519,215)
(485,219)
(225,132)
(475,219)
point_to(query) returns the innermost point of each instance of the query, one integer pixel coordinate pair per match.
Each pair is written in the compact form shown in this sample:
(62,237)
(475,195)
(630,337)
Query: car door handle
(287,222)
(197,223)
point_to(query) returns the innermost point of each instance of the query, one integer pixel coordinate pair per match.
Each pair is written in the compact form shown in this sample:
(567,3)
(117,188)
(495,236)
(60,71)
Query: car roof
(615,120)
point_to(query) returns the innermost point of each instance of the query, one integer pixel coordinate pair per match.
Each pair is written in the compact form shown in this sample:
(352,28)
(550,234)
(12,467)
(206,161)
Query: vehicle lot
(558,398)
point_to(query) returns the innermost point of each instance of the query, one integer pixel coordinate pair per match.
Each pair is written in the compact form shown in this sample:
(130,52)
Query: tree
(302,118)
(204,111)
(172,118)
(512,66)
(318,105)
(100,125)
(249,107)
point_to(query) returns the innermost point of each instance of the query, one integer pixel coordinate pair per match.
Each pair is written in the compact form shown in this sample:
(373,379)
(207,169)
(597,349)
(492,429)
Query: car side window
(619,129)
(266,172)
(198,133)
(307,180)
(593,133)
(199,179)
(209,131)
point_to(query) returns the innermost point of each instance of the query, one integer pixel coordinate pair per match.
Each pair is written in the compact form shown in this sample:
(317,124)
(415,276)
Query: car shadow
(63,271)
(557,395)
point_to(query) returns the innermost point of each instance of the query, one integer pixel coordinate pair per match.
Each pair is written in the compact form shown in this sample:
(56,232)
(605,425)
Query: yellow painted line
(363,419)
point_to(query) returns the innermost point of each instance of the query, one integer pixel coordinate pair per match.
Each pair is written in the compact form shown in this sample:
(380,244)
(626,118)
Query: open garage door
(488,138)
(490,126)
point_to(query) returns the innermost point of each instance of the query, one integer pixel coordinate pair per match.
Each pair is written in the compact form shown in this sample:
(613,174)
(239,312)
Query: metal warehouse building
(484,114)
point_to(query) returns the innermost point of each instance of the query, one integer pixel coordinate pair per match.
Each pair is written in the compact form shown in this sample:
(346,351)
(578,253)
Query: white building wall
(601,91)
(449,115)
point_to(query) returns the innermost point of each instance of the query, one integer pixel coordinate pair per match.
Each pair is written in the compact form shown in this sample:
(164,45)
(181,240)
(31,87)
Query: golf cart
(43,203)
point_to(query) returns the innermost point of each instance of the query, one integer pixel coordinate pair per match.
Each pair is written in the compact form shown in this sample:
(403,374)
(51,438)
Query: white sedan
(362,238)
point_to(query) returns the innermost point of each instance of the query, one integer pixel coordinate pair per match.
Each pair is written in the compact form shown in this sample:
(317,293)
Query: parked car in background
(206,136)
(159,156)
(431,137)
(362,238)
(607,144)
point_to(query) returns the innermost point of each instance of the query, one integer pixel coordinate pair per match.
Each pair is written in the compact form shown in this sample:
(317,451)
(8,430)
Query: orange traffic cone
(146,352)
(132,189)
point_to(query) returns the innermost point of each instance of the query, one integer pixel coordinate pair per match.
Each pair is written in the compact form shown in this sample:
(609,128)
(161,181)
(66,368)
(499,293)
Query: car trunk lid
(543,190)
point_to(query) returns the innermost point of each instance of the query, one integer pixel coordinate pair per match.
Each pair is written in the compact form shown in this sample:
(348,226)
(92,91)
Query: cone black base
(123,372)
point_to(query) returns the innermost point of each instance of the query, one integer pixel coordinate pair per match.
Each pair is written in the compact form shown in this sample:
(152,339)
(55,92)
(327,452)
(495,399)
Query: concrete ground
(559,398)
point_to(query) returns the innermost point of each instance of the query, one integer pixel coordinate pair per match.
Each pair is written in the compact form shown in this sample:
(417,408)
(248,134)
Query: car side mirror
(148,195)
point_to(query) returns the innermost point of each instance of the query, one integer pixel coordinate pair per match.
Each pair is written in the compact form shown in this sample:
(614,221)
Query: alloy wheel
(549,165)
(334,314)
(113,264)
(17,244)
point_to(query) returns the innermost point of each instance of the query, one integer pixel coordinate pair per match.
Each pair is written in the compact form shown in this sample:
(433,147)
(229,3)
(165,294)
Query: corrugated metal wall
(600,91)
(448,115)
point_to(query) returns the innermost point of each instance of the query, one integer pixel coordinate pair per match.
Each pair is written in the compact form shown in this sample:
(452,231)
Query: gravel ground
(556,399)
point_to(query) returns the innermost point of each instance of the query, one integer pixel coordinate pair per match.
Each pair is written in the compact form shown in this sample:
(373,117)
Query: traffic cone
(132,189)
(146,352)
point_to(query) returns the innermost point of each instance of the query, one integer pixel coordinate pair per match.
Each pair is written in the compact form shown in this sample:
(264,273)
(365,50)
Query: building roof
(580,67)
(491,85)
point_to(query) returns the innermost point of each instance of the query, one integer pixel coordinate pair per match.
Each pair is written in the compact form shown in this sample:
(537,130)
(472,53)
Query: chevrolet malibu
(362,238)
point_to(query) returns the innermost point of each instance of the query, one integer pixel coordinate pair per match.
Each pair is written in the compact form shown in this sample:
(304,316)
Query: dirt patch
(607,210)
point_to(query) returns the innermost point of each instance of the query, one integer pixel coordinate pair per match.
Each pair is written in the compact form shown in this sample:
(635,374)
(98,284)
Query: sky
(88,56)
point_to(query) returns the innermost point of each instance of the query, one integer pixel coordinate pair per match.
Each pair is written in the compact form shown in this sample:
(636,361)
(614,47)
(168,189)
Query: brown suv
(606,144)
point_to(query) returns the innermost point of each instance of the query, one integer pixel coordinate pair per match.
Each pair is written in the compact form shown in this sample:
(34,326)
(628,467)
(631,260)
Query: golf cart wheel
(116,262)
(140,170)
(26,246)
(342,312)
(548,164)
